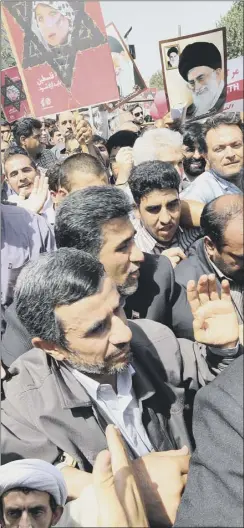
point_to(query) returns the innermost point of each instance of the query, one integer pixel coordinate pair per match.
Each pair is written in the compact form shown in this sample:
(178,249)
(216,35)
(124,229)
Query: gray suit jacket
(214,492)
(46,411)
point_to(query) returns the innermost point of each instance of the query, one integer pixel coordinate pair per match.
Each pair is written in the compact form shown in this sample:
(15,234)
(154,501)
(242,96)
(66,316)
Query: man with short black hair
(27,134)
(138,115)
(224,140)
(155,189)
(194,152)
(75,172)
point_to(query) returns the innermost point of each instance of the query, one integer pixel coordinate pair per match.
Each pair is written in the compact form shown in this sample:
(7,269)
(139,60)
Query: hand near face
(118,496)
(36,199)
(124,164)
(215,322)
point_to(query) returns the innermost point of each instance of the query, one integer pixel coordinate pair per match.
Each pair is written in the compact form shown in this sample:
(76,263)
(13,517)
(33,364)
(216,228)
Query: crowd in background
(122,322)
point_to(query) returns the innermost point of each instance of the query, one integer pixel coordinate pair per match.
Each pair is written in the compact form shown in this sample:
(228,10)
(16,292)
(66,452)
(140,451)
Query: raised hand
(124,163)
(118,497)
(38,195)
(215,322)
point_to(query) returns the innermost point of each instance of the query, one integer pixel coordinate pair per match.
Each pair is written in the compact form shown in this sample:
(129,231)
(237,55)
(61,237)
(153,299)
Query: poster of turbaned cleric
(62,53)
(195,73)
(128,77)
(13,98)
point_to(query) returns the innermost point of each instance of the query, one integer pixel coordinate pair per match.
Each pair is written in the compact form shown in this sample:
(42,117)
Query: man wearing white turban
(32,494)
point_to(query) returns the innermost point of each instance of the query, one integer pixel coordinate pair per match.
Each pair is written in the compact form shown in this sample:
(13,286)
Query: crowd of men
(122,277)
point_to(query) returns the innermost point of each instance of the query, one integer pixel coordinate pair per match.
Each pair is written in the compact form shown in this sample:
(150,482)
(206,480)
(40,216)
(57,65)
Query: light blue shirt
(207,187)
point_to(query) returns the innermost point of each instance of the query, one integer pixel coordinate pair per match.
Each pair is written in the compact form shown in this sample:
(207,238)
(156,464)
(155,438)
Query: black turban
(199,54)
(114,44)
(172,50)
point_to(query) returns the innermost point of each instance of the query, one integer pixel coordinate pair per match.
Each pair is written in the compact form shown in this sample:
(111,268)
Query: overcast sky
(153,21)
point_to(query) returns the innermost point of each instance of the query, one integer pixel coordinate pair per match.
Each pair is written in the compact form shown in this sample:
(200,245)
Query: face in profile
(53,24)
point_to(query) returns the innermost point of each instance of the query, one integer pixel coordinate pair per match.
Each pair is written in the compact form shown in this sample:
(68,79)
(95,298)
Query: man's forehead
(160,195)
(224,133)
(67,116)
(17,497)
(198,70)
(17,161)
(82,312)
(118,228)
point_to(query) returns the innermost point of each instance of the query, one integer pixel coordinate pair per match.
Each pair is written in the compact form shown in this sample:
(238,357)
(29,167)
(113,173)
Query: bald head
(222,224)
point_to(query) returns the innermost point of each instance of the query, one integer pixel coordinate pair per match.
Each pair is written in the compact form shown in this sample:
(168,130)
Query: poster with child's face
(62,51)
(194,72)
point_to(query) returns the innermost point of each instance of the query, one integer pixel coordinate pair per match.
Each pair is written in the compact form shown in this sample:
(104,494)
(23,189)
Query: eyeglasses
(138,114)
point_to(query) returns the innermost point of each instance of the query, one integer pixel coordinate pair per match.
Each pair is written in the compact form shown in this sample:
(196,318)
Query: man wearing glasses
(138,116)
(200,65)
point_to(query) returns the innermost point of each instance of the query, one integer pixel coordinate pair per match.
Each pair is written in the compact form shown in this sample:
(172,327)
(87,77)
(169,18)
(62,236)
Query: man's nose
(229,152)
(25,521)
(120,333)
(136,254)
(164,217)
(197,154)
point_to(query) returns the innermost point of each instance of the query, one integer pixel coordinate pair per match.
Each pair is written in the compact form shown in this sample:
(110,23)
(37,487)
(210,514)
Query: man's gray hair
(148,146)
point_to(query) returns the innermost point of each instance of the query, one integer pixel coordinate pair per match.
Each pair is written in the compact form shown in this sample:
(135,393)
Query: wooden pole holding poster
(17,62)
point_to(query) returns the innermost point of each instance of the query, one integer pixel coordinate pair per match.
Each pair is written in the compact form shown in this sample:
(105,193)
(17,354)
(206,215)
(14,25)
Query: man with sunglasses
(138,116)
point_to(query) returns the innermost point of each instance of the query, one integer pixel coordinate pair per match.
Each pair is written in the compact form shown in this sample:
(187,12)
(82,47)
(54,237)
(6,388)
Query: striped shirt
(236,290)
(183,238)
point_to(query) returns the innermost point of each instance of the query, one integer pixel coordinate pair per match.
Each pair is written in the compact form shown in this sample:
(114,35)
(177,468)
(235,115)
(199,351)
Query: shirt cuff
(225,352)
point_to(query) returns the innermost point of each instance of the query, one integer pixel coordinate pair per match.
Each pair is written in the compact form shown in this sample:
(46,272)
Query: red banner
(13,98)
(62,53)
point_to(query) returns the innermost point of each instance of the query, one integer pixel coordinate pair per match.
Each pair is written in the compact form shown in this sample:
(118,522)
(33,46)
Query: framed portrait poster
(62,53)
(195,72)
(128,78)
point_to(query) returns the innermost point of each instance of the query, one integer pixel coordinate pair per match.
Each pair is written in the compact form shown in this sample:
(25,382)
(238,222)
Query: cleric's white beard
(204,101)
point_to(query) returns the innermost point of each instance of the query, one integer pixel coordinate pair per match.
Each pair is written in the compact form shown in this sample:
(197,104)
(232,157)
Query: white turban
(34,474)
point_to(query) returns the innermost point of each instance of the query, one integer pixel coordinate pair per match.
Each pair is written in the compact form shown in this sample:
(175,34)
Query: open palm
(215,322)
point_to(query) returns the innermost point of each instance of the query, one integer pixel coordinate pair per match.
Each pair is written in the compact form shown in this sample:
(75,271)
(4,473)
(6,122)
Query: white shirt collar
(124,379)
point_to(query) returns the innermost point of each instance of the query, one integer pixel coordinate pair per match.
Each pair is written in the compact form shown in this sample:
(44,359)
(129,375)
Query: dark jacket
(46,411)
(158,298)
(214,489)
(196,265)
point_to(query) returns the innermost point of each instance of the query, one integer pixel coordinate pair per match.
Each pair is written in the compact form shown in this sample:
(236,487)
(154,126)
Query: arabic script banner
(234,99)
(62,53)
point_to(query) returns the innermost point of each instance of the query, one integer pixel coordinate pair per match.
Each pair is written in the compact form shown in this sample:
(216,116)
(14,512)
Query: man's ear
(62,192)
(219,72)
(57,515)
(49,348)
(210,248)
(22,141)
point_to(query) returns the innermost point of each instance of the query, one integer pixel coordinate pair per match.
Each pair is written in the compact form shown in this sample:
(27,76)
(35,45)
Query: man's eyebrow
(128,239)
(95,326)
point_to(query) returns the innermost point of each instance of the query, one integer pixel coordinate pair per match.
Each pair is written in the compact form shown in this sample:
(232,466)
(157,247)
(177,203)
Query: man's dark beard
(237,276)
(193,172)
(105,368)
